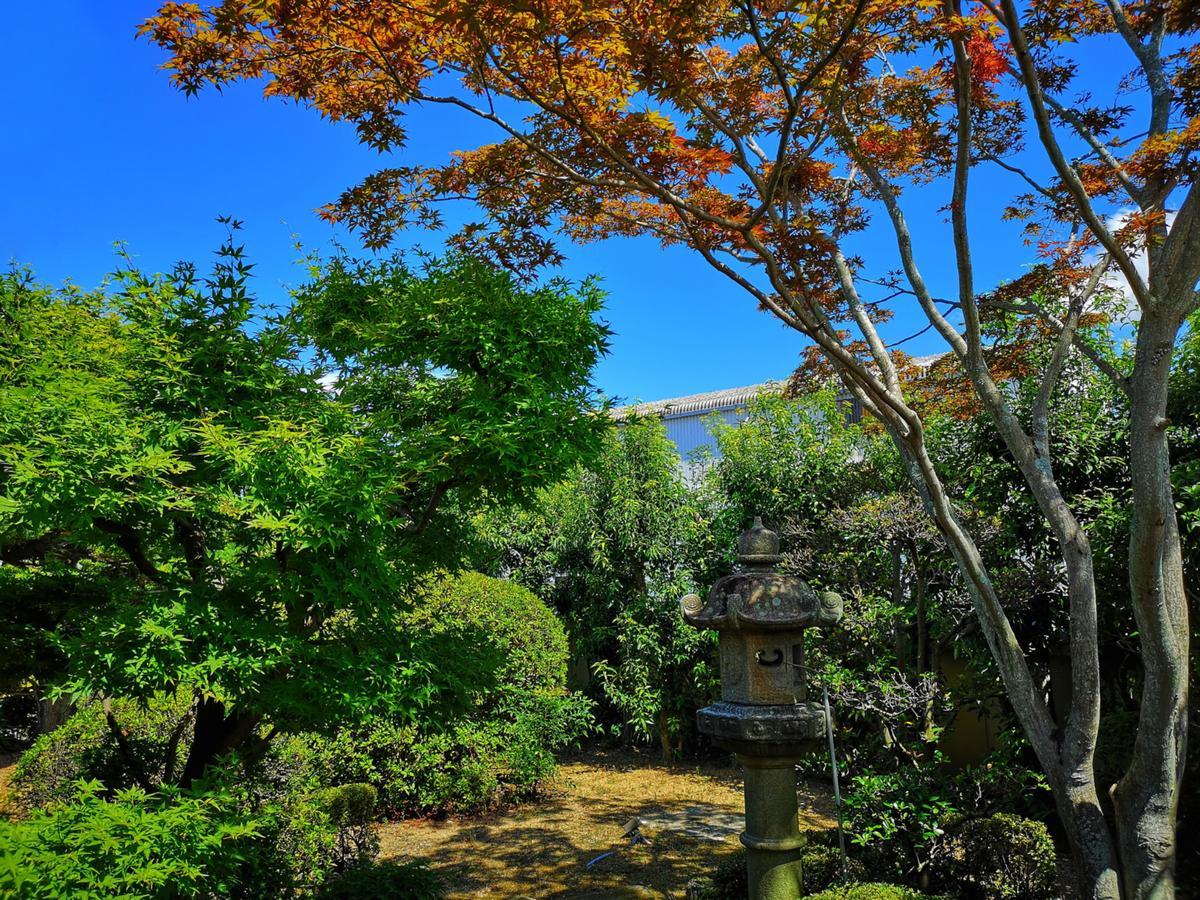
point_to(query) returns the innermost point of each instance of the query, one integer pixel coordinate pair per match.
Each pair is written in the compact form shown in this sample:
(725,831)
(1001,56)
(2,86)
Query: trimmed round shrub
(490,618)
(869,891)
(997,858)
(502,745)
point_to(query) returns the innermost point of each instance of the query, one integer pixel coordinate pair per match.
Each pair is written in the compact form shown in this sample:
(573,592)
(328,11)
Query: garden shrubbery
(1001,857)
(293,818)
(503,746)
(85,747)
(229,840)
(132,845)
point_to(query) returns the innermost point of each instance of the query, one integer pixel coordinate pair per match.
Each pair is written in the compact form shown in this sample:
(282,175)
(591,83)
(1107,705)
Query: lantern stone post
(764,716)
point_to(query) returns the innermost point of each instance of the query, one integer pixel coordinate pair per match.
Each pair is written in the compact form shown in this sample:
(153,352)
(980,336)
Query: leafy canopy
(228,516)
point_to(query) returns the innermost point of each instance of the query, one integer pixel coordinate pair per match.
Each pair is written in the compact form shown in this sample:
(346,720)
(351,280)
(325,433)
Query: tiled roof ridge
(727,397)
(704,402)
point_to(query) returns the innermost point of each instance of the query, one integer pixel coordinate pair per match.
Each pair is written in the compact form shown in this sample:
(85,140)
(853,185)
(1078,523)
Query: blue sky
(98,148)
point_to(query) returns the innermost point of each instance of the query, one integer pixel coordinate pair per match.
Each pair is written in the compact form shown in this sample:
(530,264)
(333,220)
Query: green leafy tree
(251,523)
(609,548)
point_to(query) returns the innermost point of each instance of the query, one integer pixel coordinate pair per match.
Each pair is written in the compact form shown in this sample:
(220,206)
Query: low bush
(84,748)
(503,746)
(133,845)
(822,867)
(386,881)
(876,890)
(223,842)
(1001,857)
(351,809)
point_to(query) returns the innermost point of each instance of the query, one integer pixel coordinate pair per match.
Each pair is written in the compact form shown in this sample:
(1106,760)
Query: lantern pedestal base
(772,837)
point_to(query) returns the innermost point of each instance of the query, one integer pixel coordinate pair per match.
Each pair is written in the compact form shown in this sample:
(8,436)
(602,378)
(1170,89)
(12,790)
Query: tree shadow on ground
(543,849)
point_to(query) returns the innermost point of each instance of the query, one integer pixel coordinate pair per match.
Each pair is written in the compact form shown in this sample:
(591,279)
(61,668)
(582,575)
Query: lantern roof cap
(758,546)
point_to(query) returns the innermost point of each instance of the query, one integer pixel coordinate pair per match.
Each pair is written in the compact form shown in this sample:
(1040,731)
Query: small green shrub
(895,820)
(134,845)
(310,833)
(487,617)
(1002,857)
(822,867)
(351,809)
(503,746)
(385,881)
(84,749)
(869,891)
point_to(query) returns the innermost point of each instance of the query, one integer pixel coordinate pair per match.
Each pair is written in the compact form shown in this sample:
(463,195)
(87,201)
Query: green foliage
(385,881)
(351,809)
(608,548)
(822,867)
(497,620)
(1002,857)
(304,831)
(194,506)
(869,891)
(898,819)
(495,379)
(133,845)
(503,746)
(789,461)
(85,748)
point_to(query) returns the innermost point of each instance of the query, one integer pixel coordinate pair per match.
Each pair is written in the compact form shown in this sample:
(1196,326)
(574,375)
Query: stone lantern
(764,716)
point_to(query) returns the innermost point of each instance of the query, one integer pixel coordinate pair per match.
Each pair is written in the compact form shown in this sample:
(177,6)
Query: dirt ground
(543,848)
(8,763)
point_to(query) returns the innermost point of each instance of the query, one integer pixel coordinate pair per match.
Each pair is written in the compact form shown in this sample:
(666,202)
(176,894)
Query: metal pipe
(837,791)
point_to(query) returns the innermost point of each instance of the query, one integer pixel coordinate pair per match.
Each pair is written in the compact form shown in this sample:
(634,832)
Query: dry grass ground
(542,849)
(8,764)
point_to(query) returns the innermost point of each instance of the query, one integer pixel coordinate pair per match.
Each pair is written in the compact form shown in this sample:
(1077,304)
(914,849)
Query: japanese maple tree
(765,136)
(209,512)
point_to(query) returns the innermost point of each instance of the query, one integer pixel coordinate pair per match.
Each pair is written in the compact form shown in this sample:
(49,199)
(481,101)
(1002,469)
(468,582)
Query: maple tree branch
(882,358)
(121,737)
(647,183)
(1151,62)
(1069,176)
(131,543)
(958,203)
(904,242)
(1136,194)
(773,61)
(1016,170)
(1119,380)
(789,119)
(418,524)
(916,334)
(1040,413)
(1179,255)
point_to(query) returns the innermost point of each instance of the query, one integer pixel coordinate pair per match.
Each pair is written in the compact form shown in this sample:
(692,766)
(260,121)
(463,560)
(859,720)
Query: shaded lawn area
(542,848)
